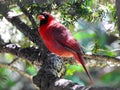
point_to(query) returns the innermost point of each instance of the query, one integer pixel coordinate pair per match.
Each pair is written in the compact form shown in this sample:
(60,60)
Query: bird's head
(45,18)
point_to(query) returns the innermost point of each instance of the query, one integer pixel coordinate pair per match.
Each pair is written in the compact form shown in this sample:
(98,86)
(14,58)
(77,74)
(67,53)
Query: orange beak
(41,17)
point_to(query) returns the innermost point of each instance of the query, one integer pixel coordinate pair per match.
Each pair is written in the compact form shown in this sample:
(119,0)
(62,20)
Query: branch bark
(49,76)
(32,34)
(36,54)
(47,80)
(27,14)
(20,52)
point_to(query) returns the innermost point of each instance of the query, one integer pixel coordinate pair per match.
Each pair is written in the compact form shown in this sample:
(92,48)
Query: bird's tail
(81,60)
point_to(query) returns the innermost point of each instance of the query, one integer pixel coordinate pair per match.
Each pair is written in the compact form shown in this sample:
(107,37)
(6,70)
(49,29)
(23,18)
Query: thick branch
(63,84)
(52,69)
(25,29)
(35,55)
(48,79)
(53,81)
(20,52)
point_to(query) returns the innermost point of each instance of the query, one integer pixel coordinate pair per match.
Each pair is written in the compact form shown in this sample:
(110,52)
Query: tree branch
(51,69)
(26,30)
(97,58)
(27,14)
(46,72)
(16,70)
(103,58)
(48,79)
(32,34)
(20,52)
(36,54)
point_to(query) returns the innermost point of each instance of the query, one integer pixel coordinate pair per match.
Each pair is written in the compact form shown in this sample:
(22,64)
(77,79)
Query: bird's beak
(41,17)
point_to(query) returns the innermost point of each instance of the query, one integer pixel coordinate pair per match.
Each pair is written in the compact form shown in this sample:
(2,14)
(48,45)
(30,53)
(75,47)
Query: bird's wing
(65,38)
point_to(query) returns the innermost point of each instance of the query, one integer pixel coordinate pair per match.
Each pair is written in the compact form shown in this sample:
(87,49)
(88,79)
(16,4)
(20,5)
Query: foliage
(90,22)
(3,77)
(107,78)
(71,69)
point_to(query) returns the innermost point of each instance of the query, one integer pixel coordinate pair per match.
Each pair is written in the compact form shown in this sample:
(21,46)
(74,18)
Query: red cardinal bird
(59,40)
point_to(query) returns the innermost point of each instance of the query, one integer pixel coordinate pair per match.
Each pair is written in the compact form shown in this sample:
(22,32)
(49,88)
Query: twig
(20,52)
(103,58)
(27,14)
(14,60)
(97,58)
(16,70)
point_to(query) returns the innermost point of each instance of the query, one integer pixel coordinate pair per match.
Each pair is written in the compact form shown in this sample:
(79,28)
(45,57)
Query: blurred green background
(92,22)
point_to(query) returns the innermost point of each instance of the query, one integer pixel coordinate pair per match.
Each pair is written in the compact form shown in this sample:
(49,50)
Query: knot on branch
(51,69)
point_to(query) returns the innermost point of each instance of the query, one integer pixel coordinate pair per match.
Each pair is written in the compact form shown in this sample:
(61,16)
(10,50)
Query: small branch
(97,58)
(20,52)
(13,61)
(16,70)
(103,58)
(27,14)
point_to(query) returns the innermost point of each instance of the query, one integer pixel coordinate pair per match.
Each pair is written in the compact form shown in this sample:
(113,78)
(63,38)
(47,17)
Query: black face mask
(44,21)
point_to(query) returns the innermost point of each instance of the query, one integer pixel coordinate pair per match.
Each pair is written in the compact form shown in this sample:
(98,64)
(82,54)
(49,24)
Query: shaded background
(92,22)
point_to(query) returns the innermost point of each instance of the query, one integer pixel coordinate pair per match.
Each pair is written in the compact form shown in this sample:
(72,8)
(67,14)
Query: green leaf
(31,69)
(112,78)
(8,56)
(71,69)
(84,35)
(3,77)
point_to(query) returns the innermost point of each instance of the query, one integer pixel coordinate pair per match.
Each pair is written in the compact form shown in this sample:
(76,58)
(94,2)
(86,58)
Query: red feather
(59,40)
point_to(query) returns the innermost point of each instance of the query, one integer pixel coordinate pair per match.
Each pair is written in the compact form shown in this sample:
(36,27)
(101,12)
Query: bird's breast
(54,46)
